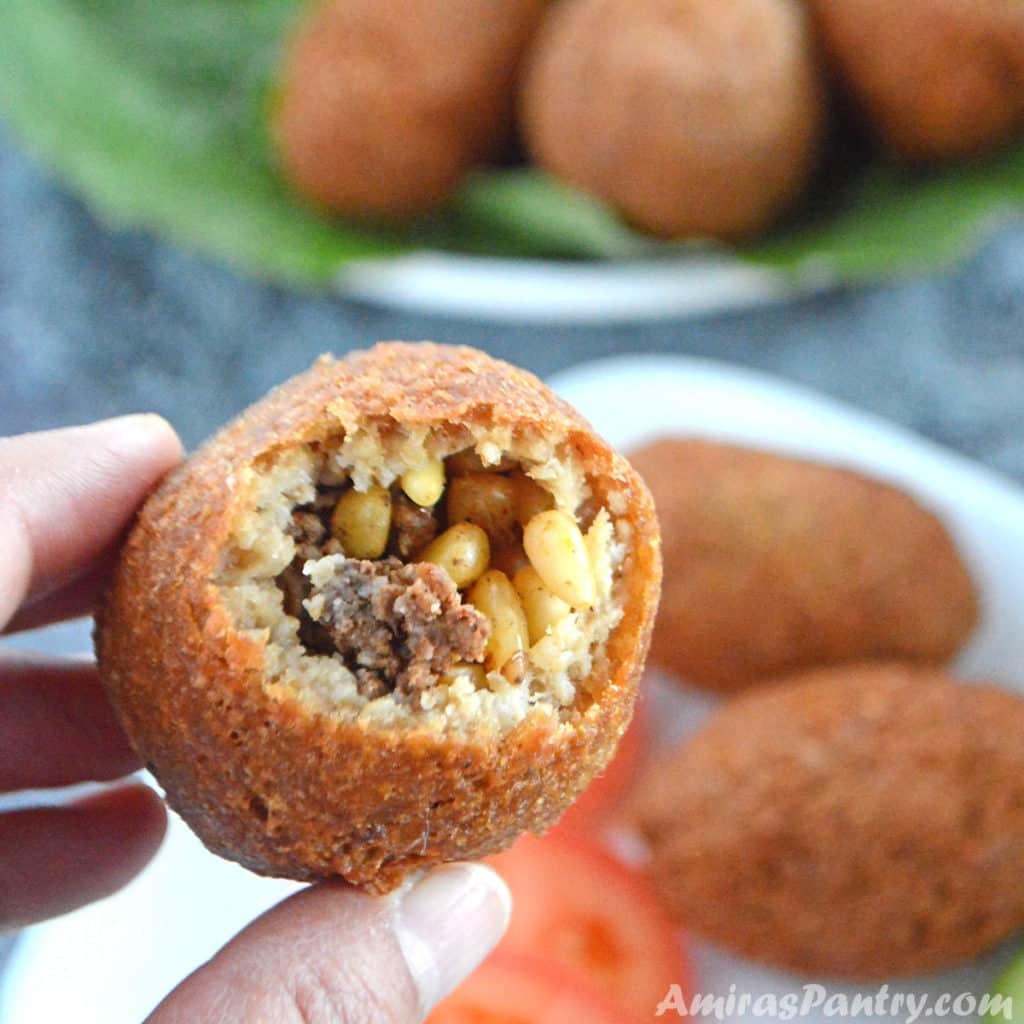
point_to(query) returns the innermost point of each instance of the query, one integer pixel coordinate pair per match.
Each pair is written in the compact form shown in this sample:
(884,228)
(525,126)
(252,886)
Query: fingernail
(447,924)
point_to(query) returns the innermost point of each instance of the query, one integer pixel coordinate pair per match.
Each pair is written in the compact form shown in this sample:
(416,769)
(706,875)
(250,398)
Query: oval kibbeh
(691,117)
(936,78)
(858,822)
(384,106)
(774,564)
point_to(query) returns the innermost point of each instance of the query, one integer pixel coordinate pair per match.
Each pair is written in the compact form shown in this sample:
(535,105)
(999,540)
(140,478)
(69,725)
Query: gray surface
(94,323)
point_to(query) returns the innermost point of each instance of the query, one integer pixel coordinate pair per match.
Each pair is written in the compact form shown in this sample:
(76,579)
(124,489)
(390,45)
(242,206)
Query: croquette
(327,686)
(384,106)
(936,78)
(691,117)
(775,564)
(856,822)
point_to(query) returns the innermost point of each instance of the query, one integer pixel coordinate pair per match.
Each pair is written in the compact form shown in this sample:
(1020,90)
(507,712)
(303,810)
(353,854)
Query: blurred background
(95,322)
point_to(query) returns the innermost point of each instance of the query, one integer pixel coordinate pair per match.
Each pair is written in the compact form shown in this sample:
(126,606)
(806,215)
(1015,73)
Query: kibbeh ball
(857,822)
(936,79)
(383,107)
(310,644)
(693,118)
(775,564)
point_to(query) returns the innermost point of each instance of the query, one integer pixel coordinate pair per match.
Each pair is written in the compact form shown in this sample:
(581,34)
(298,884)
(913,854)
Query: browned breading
(384,106)
(774,564)
(858,822)
(281,788)
(692,117)
(936,78)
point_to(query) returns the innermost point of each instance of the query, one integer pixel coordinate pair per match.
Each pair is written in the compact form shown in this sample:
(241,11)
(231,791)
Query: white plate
(540,291)
(111,962)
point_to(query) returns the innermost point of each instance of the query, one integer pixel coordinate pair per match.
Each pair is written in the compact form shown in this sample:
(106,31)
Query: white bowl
(542,291)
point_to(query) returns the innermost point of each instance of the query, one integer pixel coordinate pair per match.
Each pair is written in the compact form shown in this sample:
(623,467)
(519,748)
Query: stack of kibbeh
(852,811)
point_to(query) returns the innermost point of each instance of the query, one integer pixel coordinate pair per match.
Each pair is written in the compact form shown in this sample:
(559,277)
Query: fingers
(76,598)
(66,497)
(331,955)
(58,858)
(56,726)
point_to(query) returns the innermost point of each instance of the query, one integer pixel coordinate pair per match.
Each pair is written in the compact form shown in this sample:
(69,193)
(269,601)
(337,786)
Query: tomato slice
(578,907)
(599,800)
(510,989)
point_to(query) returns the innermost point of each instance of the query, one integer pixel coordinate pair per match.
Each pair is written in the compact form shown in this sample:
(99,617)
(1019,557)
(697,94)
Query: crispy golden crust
(774,565)
(936,78)
(384,106)
(859,822)
(693,117)
(268,782)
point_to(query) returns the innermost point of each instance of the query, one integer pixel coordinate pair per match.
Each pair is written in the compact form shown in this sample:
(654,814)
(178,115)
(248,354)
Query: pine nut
(557,551)
(361,522)
(543,609)
(425,484)
(486,499)
(494,596)
(514,670)
(463,551)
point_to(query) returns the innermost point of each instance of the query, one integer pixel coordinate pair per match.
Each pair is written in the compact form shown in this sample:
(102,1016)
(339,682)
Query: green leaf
(156,113)
(903,219)
(1008,992)
(529,211)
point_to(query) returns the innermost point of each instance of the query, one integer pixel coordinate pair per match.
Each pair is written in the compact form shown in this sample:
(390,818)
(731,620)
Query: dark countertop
(94,322)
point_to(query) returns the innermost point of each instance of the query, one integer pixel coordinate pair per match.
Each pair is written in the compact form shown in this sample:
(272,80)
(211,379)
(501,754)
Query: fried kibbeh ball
(936,78)
(691,117)
(774,564)
(384,106)
(858,822)
(311,646)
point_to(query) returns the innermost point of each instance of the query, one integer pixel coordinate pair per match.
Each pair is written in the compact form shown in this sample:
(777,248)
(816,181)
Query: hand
(325,956)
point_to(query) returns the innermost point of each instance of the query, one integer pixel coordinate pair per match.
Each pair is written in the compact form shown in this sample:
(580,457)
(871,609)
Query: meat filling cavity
(457,584)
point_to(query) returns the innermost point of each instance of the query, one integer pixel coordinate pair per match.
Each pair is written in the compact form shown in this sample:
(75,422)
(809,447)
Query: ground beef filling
(398,627)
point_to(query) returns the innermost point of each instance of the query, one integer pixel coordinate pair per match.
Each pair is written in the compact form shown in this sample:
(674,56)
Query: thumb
(332,955)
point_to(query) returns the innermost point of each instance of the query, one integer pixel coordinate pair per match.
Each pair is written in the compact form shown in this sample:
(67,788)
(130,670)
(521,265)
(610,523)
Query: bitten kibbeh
(308,645)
